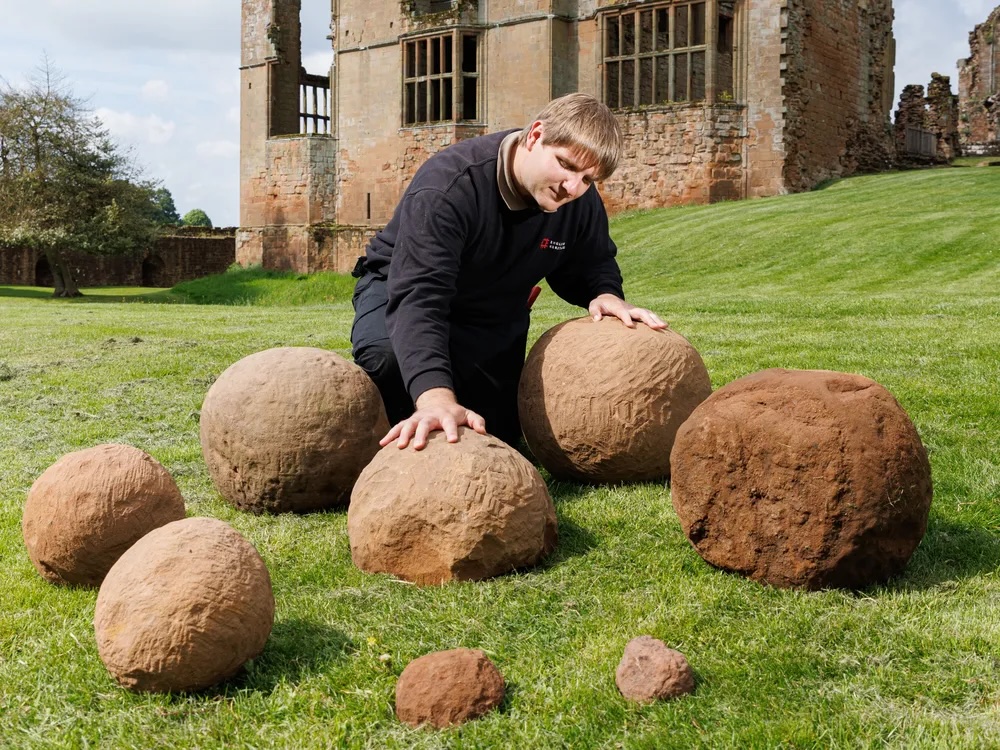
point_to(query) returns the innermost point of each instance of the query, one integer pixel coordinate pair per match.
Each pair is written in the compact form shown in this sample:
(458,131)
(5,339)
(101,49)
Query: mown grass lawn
(894,276)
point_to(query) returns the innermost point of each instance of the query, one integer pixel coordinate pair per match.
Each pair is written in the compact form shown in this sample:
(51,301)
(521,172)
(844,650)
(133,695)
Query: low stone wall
(190,253)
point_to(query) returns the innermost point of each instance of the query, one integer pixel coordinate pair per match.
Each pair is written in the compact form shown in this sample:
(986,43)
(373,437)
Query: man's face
(552,175)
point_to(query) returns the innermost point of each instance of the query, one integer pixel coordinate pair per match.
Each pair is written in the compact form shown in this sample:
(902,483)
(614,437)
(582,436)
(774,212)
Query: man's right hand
(437,409)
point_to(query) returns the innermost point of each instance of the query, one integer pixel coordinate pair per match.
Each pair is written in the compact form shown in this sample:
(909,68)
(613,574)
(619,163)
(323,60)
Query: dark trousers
(488,386)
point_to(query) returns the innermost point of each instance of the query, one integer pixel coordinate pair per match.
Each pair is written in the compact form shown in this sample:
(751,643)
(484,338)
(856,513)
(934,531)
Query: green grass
(892,276)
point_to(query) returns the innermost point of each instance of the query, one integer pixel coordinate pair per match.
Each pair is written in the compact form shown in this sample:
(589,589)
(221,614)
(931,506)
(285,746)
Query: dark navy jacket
(460,264)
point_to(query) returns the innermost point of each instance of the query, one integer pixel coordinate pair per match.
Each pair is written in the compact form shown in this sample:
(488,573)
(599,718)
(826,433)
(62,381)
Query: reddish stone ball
(290,429)
(90,506)
(185,608)
(802,478)
(447,688)
(600,402)
(451,511)
(651,671)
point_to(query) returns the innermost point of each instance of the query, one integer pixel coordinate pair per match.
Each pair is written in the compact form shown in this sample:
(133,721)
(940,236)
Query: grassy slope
(893,276)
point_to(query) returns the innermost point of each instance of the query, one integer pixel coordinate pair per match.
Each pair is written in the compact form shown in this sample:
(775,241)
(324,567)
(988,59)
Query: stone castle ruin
(718,100)
(979,90)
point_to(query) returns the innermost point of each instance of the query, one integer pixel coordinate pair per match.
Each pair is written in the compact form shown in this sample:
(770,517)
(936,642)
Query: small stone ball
(600,402)
(290,429)
(184,608)
(650,671)
(467,510)
(807,479)
(447,688)
(90,506)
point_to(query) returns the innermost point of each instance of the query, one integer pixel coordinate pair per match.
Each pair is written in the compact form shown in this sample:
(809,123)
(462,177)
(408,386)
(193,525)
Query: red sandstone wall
(836,122)
(173,259)
(677,155)
(979,90)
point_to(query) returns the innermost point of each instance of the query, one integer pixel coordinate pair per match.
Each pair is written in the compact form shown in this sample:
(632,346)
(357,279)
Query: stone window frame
(441,74)
(651,57)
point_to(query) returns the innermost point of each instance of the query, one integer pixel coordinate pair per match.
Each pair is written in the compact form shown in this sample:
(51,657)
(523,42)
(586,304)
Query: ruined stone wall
(187,255)
(942,116)
(836,121)
(979,90)
(763,26)
(678,155)
(910,113)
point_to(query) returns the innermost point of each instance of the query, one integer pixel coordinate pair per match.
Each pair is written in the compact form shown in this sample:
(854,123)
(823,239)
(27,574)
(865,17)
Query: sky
(163,77)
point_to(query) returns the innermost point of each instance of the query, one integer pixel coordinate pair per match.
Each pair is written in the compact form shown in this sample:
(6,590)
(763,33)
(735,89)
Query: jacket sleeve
(421,286)
(590,269)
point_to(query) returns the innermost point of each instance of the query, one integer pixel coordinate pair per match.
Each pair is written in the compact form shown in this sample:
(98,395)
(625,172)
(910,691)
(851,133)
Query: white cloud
(220,149)
(128,126)
(155,90)
(233,114)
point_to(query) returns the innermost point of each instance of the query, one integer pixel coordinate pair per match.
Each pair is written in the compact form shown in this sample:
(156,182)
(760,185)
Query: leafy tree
(64,184)
(196,218)
(166,212)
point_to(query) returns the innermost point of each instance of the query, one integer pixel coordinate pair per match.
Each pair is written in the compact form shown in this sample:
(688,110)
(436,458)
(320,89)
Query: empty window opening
(661,54)
(441,78)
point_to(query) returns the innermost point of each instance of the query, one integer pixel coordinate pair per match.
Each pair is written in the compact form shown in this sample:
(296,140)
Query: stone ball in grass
(651,671)
(807,479)
(90,506)
(600,402)
(184,609)
(447,688)
(290,429)
(467,511)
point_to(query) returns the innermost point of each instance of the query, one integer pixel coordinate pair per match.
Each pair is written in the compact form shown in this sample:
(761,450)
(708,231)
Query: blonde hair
(582,123)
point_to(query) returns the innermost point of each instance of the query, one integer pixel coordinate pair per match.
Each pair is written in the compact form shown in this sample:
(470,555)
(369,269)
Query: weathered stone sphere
(184,608)
(90,506)
(600,402)
(650,671)
(447,688)
(806,479)
(467,510)
(290,429)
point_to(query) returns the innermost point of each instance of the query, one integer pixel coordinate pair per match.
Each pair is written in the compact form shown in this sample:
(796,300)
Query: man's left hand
(609,304)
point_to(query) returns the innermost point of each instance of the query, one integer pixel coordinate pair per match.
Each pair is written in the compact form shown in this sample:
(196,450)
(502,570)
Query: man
(441,313)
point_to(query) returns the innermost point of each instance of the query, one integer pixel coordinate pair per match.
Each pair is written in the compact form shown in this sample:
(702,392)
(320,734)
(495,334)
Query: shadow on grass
(92,295)
(296,648)
(949,552)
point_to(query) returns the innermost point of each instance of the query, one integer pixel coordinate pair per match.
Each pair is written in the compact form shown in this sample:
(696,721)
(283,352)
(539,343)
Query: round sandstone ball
(184,608)
(447,688)
(600,402)
(290,429)
(90,506)
(808,479)
(650,671)
(467,510)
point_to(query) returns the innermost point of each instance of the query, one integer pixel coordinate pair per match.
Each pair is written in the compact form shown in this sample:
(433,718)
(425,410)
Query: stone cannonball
(651,671)
(290,429)
(447,688)
(90,506)
(467,510)
(600,402)
(184,608)
(807,479)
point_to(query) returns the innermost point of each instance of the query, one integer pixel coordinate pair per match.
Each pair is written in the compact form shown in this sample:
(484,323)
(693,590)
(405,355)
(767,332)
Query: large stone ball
(447,688)
(600,402)
(467,510)
(184,608)
(290,429)
(807,479)
(90,506)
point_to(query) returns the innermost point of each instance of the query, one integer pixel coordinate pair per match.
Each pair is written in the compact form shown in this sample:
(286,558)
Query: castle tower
(287,150)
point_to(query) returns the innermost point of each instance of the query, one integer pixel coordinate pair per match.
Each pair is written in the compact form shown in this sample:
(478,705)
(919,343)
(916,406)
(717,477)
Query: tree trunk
(62,275)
